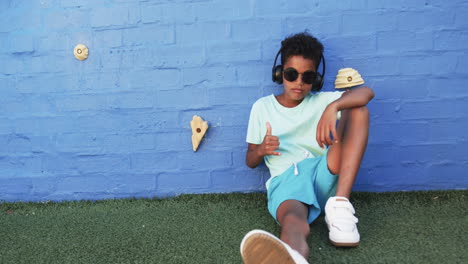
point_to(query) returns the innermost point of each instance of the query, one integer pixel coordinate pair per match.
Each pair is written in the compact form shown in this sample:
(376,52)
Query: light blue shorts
(312,186)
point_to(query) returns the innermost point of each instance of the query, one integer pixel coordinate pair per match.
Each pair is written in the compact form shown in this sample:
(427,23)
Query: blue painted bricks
(118,124)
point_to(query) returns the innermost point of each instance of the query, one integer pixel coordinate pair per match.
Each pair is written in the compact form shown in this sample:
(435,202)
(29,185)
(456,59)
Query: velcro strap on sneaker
(346,216)
(347,205)
(345,226)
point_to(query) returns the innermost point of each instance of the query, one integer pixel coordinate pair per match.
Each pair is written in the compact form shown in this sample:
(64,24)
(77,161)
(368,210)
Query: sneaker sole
(341,244)
(263,249)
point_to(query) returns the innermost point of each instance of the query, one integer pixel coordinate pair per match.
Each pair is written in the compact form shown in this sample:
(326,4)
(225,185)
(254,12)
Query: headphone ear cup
(318,83)
(278,74)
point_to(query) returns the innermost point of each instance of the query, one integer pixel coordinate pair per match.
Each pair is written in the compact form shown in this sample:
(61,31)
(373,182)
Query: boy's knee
(361,112)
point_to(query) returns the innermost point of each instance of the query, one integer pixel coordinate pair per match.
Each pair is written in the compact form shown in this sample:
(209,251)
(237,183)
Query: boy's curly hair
(301,44)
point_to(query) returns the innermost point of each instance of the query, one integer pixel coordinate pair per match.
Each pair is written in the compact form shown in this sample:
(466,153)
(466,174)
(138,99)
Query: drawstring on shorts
(296,170)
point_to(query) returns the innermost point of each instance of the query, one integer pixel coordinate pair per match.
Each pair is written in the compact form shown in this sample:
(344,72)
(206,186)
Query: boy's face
(295,91)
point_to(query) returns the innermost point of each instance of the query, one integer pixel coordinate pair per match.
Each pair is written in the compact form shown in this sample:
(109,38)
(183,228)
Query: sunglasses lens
(290,74)
(309,77)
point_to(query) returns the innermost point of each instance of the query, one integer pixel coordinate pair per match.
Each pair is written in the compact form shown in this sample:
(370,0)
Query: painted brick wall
(117,124)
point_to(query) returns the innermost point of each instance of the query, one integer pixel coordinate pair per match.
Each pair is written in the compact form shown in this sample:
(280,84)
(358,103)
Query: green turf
(403,227)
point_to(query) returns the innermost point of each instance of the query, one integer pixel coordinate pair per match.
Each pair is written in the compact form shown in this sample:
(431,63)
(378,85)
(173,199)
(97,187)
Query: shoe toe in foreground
(260,247)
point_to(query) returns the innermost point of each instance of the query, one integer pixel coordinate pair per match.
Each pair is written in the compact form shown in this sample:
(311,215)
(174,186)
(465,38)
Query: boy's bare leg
(293,217)
(344,157)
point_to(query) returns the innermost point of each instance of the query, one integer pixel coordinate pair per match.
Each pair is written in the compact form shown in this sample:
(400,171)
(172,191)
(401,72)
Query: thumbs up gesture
(270,143)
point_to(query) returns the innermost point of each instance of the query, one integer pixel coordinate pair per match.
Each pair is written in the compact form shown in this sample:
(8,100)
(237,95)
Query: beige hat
(348,77)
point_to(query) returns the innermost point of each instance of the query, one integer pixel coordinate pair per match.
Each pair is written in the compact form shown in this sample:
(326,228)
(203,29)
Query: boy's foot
(341,222)
(262,247)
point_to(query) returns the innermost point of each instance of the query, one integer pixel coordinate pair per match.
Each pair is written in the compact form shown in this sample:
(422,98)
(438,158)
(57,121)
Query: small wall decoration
(199,128)
(81,52)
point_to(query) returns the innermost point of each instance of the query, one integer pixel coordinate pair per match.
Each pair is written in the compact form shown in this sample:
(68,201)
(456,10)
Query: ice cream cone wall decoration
(199,128)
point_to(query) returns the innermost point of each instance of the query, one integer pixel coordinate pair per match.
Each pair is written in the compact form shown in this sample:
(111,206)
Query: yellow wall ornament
(81,52)
(199,128)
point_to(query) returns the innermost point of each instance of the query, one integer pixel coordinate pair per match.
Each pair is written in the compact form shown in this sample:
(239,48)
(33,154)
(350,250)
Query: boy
(311,171)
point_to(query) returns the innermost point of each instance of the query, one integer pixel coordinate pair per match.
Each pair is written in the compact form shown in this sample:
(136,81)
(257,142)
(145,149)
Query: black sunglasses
(291,74)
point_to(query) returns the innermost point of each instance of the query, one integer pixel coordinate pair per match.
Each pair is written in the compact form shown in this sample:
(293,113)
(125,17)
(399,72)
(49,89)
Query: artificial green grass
(403,227)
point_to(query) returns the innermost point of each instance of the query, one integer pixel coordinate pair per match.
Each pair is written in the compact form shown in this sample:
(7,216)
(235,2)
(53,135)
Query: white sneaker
(260,247)
(341,222)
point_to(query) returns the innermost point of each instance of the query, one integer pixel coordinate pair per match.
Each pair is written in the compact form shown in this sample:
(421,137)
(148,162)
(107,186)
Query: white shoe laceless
(341,222)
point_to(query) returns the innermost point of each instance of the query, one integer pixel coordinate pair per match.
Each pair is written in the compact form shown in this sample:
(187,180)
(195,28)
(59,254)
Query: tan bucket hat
(348,77)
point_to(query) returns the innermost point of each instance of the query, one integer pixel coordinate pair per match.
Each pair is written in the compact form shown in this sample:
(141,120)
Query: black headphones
(277,73)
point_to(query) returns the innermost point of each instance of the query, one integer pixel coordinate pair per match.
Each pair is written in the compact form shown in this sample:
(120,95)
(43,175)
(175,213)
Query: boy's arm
(255,152)
(355,98)
(253,157)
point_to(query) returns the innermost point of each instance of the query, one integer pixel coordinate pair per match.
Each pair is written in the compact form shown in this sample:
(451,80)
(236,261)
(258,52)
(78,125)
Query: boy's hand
(270,143)
(326,125)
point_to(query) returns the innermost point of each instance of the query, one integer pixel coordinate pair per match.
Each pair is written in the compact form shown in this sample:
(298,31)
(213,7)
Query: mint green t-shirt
(295,127)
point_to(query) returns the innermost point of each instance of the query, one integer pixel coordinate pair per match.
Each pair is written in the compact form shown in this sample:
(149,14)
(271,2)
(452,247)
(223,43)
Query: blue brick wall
(117,124)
